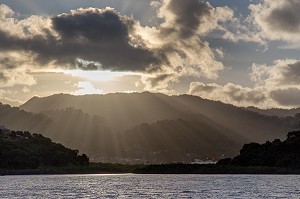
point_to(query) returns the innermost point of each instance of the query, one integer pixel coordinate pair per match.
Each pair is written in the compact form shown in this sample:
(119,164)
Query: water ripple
(150,186)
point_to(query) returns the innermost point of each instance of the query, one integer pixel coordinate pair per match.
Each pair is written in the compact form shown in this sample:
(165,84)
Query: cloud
(13,25)
(229,93)
(283,73)
(277,19)
(280,80)
(101,37)
(86,88)
(180,35)
(289,97)
(6,100)
(158,82)
(86,39)
(276,85)
(290,46)
(11,102)
(184,18)
(13,71)
(10,78)
(268,20)
(179,39)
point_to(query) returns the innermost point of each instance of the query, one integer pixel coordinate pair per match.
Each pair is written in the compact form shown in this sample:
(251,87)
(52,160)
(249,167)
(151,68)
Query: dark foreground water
(150,186)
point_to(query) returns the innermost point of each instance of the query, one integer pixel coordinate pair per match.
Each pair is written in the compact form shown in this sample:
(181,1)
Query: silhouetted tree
(83,160)
(293,134)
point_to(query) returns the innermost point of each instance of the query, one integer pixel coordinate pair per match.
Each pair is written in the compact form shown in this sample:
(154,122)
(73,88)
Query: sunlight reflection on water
(150,186)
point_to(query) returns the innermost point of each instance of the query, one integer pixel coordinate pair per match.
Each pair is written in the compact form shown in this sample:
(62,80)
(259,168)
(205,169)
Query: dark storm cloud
(286,97)
(46,48)
(188,16)
(8,43)
(93,25)
(101,37)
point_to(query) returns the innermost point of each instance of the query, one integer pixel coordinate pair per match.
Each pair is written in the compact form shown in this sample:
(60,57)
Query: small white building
(198,161)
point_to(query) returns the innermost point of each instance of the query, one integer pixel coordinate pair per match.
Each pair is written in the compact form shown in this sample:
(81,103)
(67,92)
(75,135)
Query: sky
(246,53)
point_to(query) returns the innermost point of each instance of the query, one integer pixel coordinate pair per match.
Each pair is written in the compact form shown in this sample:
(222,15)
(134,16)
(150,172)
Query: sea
(150,186)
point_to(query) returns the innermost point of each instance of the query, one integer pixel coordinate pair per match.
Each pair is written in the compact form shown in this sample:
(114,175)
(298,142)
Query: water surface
(150,186)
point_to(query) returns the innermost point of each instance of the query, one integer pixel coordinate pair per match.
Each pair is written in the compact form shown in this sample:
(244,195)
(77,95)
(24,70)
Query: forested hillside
(270,154)
(23,150)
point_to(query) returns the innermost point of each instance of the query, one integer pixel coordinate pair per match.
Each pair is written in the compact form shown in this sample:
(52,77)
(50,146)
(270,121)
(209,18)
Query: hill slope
(146,126)
(124,111)
(22,150)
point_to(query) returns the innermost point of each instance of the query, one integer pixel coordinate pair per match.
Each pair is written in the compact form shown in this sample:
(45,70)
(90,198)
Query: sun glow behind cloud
(95,75)
(102,82)
(92,79)
(87,88)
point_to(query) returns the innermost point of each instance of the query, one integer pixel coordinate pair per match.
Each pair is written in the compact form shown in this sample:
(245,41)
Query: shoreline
(109,168)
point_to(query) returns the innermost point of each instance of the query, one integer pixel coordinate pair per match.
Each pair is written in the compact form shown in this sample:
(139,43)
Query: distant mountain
(120,110)
(146,126)
(275,111)
(124,111)
(17,119)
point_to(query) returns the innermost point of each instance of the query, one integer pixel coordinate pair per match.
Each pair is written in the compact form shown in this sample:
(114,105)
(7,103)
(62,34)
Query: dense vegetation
(22,150)
(284,154)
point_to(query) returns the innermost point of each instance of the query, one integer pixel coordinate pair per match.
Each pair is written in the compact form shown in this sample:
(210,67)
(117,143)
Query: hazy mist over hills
(146,126)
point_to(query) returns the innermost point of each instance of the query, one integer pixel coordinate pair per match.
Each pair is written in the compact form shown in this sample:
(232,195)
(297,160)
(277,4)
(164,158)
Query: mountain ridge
(151,126)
